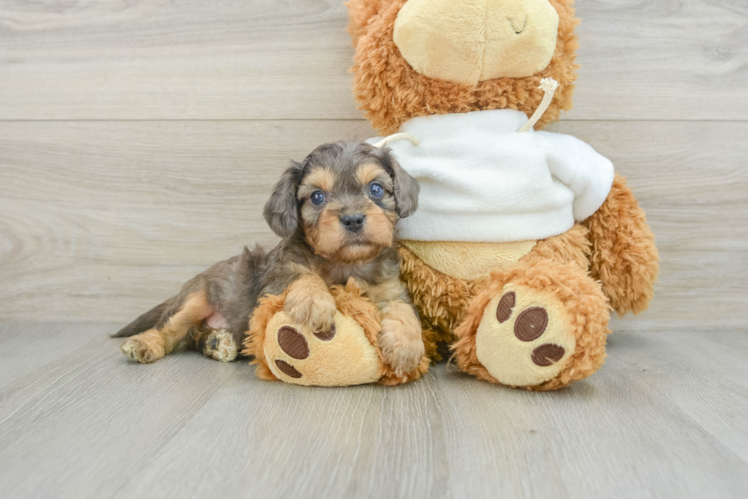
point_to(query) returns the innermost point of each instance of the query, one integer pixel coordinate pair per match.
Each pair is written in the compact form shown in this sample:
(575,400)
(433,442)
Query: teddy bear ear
(359,14)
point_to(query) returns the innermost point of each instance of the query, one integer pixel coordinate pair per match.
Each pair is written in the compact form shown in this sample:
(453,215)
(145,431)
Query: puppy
(336,213)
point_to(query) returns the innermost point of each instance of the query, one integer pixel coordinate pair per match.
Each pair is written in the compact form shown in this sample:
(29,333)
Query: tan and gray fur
(349,234)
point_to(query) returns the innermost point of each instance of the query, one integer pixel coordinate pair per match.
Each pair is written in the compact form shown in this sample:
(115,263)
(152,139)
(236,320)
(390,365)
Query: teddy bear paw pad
(340,356)
(525,337)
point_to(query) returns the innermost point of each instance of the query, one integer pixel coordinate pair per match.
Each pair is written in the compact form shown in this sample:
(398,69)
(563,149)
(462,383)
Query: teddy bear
(524,240)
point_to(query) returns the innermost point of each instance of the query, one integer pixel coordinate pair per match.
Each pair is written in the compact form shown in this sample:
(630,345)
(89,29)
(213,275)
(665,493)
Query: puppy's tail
(145,321)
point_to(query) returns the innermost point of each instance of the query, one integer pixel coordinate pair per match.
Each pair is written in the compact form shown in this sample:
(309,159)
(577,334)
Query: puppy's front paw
(312,307)
(400,340)
(142,350)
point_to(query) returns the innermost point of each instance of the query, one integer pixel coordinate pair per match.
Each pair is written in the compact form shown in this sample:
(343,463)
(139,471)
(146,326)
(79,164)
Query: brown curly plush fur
(572,247)
(351,302)
(391,92)
(440,297)
(254,341)
(624,257)
(359,14)
(443,301)
(582,298)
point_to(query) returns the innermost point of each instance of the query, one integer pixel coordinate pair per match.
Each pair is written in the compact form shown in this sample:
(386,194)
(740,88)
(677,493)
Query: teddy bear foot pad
(525,337)
(338,357)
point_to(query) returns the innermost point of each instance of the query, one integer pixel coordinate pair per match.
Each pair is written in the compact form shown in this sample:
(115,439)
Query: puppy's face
(348,213)
(345,199)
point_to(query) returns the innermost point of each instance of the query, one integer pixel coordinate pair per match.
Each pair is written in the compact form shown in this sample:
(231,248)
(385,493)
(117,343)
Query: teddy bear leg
(539,326)
(339,356)
(346,354)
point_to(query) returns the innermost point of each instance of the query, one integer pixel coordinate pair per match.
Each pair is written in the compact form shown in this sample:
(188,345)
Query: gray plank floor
(665,417)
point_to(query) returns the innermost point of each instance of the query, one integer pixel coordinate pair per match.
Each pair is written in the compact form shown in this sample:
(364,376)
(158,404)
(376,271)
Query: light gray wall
(138,141)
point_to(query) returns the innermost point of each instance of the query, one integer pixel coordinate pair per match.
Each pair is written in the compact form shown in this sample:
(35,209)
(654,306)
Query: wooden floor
(138,143)
(666,417)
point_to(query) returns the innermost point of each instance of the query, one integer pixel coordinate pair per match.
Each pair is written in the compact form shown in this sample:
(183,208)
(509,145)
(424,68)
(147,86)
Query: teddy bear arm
(624,257)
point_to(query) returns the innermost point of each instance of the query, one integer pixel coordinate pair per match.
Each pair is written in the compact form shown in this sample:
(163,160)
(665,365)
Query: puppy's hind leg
(153,344)
(214,339)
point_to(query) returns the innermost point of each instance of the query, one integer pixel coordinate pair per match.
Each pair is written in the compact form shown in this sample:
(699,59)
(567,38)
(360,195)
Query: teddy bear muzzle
(469,41)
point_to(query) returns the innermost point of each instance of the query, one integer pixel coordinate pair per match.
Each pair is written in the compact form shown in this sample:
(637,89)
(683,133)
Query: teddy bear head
(425,57)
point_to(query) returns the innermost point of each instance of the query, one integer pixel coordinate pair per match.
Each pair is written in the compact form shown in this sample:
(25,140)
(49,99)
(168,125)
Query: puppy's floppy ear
(280,211)
(406,187)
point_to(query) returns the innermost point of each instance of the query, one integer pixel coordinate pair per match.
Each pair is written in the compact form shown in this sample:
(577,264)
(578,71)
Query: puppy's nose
(353,223)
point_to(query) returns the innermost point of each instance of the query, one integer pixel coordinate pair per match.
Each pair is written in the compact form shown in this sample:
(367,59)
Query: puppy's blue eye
(318,198)
(376,190)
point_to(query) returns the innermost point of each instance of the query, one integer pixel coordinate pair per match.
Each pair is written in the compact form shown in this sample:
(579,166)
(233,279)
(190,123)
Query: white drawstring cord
(397,137)
(549,86)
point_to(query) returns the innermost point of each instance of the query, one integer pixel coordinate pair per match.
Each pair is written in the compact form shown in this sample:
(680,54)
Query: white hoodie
(481,180)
